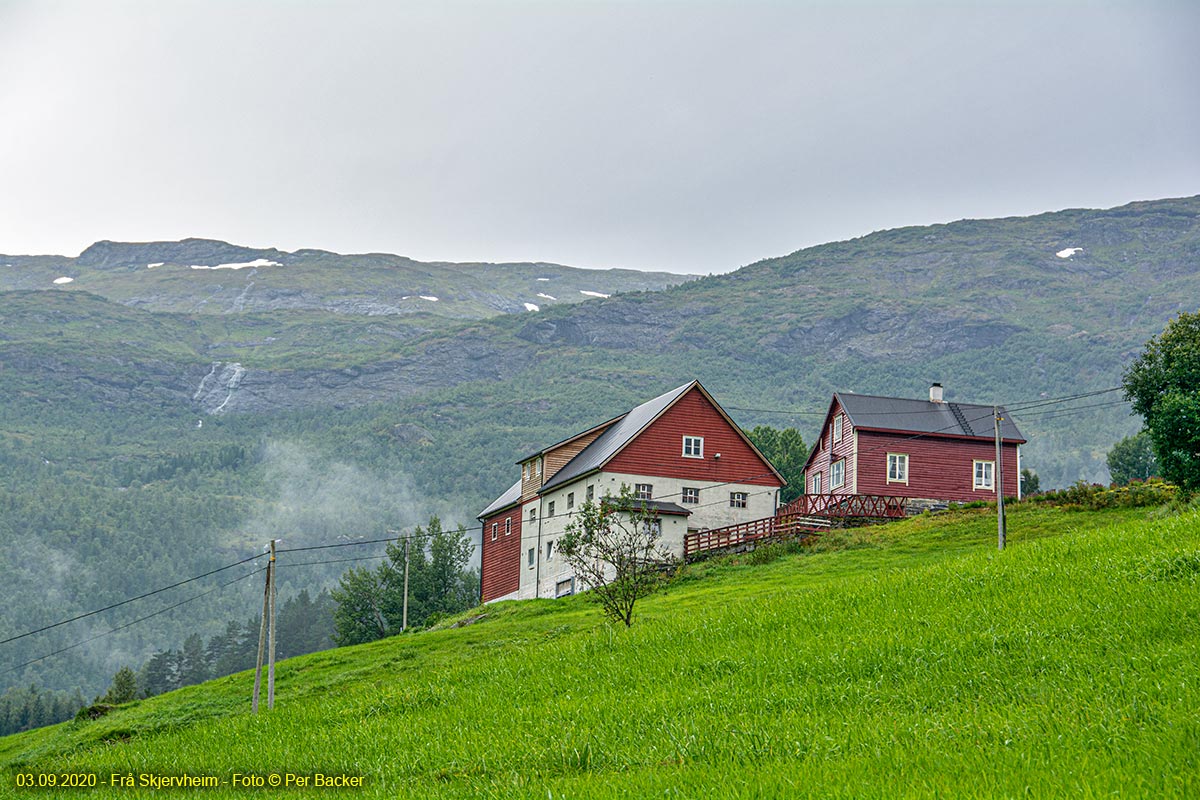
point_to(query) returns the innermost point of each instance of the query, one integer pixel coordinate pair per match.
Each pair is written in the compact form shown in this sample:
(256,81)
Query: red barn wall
(500,561)
(659,448)
(829,451)
(938,468)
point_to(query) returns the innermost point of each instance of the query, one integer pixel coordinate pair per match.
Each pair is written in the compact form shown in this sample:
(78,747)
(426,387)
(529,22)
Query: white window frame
(900,461)
(549,549)
(815,484)
(987,485)
(643,491)
(738,499)
(837,428)
(495,530)
(693,447)
(507,525)
(691,492)
(837,477)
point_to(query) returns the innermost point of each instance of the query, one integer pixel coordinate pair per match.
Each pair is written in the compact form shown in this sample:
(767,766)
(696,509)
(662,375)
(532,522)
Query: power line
(134,622)
(129,600)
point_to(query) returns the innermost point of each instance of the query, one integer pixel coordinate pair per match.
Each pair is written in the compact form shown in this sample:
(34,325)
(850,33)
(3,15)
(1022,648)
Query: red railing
(842,506)
(803,516)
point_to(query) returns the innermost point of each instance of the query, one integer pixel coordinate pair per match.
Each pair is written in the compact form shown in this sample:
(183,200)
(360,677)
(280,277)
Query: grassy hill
(907,660)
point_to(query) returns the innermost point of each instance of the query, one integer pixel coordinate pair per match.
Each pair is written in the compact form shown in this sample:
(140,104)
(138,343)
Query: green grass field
(905,660)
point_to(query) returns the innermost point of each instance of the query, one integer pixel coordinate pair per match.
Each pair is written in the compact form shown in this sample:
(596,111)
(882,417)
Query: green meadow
(911,659)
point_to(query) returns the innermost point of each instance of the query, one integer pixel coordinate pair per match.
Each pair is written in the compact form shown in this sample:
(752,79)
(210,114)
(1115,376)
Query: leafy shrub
(1095,496)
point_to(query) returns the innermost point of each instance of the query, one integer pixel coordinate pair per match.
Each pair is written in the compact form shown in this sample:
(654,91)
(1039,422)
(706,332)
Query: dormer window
(837,428)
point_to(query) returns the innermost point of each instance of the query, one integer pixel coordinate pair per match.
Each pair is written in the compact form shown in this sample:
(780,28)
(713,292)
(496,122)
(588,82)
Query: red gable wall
(938,468)
(500,562)
(658,450)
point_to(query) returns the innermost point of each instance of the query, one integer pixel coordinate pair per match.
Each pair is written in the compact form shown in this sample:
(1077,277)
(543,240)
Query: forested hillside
(144,441)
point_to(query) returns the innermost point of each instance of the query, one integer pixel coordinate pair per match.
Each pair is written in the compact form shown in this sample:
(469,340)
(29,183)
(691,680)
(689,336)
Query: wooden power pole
(1001,531)
(271,629)
(266,638)
(404,617)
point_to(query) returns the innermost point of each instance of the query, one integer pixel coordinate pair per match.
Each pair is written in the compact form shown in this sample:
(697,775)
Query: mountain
(207,276)
(124,394)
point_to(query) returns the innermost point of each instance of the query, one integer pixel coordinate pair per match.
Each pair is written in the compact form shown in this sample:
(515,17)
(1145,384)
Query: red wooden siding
(500,564)
(659,448)
(938,468)
(829,451)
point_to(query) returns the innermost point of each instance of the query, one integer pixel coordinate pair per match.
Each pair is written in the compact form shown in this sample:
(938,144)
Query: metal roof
(619,434)
(510,497)
(657,507)
(923,416)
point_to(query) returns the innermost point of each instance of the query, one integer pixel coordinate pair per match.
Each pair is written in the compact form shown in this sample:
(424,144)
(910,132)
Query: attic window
(837,428)
(495,530)
(507,525)
(693,447)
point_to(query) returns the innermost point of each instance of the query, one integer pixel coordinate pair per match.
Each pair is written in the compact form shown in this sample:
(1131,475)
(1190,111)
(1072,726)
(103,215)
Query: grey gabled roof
(922,416)
(619,434)
(510,498)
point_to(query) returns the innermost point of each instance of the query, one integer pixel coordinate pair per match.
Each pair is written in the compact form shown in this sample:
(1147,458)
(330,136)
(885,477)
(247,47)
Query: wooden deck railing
(781,526)
(805,516)
(842,506)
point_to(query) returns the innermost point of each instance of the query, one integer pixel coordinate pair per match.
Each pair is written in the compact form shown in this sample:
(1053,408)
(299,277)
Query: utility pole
(1000,526)
(262,639)
(404,618)
(271,647)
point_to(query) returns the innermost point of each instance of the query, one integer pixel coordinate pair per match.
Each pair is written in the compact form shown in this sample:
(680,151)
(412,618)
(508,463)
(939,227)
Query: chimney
(935,393)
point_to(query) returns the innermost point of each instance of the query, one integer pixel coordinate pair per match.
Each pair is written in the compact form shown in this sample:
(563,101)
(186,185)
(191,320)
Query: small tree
(1132,459)
(124,687)
(1164,385)
(614,547)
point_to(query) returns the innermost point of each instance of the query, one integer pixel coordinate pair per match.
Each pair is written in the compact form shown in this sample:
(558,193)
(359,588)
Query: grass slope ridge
(917,661)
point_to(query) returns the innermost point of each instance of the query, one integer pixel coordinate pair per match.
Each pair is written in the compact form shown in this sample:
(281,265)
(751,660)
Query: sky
(691,137)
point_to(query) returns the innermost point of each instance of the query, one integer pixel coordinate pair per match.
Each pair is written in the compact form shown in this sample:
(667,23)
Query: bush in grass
(1094,496)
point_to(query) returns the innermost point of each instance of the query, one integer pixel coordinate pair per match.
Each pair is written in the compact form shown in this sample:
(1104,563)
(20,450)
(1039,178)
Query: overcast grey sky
(685,136)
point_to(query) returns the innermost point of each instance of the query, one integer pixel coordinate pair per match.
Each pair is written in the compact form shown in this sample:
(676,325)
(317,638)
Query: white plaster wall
(713,511)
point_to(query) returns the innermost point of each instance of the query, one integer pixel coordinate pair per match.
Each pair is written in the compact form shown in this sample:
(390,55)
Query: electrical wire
(129,600)
(133,622)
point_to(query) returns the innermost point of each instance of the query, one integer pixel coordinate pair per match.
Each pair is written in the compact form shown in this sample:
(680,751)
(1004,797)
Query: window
(737,499)
(531,552)
(591,493)
(549,549)
(507,525)
(985,475)
(837,474)
(897,464)
(551,508)
(691,495)
(693,447)
(815,488)
(537,466)
(525,471)
(570,500)
(643,491)
(532,514)
(564,588)
(837,428)
(495,530)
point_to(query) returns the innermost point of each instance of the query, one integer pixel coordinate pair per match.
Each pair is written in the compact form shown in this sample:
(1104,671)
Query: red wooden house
(681,454)
(922,449)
